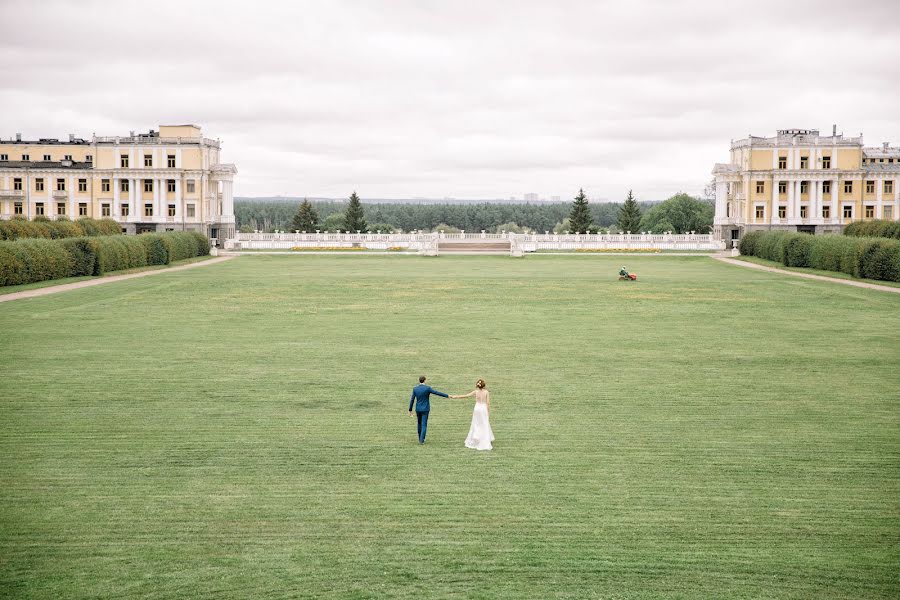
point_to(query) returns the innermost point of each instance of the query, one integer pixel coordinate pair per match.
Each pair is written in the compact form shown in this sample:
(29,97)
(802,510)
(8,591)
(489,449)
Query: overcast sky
(479,99)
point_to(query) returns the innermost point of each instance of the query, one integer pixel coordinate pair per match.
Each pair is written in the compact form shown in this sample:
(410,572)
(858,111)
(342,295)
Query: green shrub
(826,252)
(12,264)
(157,253)
(83,254)
(749,244)
(876,228)
(64,229)
(89,226)
(797,250)
(202,243)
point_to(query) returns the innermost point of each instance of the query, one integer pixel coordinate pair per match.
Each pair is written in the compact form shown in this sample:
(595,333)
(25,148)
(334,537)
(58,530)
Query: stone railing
(429,243)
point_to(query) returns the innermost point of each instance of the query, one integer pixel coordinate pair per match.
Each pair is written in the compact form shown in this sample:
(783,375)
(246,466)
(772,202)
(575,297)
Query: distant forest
(271,214)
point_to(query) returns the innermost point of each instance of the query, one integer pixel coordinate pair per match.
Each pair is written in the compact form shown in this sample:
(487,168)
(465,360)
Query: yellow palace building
(800,180)
(163,180)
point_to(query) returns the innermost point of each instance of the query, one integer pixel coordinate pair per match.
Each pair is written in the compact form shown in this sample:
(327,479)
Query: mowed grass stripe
(241,430)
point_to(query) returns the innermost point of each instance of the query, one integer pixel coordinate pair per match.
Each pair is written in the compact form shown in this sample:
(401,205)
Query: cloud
(468,99)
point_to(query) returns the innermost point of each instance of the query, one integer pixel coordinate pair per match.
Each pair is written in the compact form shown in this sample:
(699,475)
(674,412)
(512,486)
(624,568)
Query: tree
(306,219)
(445,228)
(511,228)
(580,218)
(354,218)
(333,222)
(681,213)
(629,215)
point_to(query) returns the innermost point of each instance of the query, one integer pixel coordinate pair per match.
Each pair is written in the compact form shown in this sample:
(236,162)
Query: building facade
(800,180)
(164,180)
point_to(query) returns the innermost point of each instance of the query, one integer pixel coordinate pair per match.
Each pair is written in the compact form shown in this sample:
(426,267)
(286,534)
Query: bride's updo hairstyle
(480,384)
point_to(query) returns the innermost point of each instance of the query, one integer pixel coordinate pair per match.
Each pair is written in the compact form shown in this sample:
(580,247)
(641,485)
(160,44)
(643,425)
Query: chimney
(18,137)
(834,130)
(71,137)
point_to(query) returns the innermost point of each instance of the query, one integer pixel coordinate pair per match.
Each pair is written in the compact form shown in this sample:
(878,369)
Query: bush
(202,243)
(157,253)
(83,253)
(868,257)
(32,260)
(41,227)
(877,228)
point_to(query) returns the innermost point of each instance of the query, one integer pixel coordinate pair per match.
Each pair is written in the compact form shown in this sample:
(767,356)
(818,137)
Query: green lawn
(240,431)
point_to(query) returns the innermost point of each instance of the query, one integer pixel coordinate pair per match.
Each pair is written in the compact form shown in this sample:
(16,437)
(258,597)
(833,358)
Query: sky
(462,99)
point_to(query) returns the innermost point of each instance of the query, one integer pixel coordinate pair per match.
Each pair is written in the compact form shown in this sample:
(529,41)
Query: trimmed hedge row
(31,260)
(878,228)
(16,229)
(870,258)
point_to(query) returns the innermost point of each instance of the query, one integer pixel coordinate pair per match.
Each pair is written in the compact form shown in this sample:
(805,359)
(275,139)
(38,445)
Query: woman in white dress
(480,434)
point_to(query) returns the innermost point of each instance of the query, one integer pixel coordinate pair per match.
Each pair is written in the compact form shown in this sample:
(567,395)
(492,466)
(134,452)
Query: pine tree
(306,218)
(354,218)
(629,215)
(580,219)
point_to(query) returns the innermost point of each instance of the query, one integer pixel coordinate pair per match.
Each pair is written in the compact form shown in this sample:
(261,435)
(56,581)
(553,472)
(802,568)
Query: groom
(420,395)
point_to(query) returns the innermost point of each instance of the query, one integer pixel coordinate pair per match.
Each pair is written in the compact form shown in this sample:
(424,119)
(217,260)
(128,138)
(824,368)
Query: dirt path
(99,281)
(861,284)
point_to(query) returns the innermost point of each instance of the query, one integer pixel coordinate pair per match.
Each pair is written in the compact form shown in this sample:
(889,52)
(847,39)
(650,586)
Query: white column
(879,195)
(134,199)
(816,202)
(70,189)
(179,215)
(773,212)
(157,200)
(721,201)
(115,207)
(790,158)
(177,158)
(790,204)
(834,199)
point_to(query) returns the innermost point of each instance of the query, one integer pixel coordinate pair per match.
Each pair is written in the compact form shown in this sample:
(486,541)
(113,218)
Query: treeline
(40,259)
(269,215)
(20,228)
(865,257)
(877,228)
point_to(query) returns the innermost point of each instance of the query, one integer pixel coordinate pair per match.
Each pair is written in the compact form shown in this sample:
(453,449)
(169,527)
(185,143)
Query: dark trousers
(421,424)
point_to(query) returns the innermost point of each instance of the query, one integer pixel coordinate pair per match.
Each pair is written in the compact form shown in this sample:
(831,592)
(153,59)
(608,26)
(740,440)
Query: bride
(480,434)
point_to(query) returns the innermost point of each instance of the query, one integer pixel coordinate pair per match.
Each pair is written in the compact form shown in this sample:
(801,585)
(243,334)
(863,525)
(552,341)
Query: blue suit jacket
(420,395)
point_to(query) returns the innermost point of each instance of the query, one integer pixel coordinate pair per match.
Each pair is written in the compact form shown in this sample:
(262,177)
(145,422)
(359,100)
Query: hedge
(31,260)
(41,227)
(867,257)
(878,228)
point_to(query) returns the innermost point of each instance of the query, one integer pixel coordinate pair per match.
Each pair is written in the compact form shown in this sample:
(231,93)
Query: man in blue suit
(420,395)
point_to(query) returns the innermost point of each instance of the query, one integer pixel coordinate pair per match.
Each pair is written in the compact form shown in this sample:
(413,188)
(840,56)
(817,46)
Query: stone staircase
(474,247)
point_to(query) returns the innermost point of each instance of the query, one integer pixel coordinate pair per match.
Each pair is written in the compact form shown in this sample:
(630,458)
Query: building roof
(40,164)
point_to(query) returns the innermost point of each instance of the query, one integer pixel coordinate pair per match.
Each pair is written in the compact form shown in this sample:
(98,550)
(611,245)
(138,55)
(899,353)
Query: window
(826,162)
(82,209)
(123,185)
(170,185)
(782,187)
(148,160)
(888,213)
(17,184)
(171,210)
(123,209)
(60,185)
(802,212)
(104,185)
(760,212)
(89,158)
(826,211)
(870,187)
(870,211)
(782,162)
(190,186)
(148,210)
(888,187)
(82,185)
(782,212)
(47,157)
(67,157)
(39,184)
(39,209)
(123,161)
(148,185)
(171,161)
(804,162)
(826,187)
(848,212)
(190,210)
(4,157)
(104,210)
(17,208)
(804,187)
(760,187)
(26,157)
(60,208)
(848,187)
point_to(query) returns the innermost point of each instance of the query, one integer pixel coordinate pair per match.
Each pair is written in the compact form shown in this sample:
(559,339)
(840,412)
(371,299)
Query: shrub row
(16,229)
(871,258)
(31,260)
(879,228)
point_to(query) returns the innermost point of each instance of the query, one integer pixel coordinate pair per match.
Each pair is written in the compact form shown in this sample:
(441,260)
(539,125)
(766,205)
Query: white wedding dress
(480,433)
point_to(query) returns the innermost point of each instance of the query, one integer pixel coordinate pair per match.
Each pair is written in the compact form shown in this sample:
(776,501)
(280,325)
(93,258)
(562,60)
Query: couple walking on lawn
(480,434)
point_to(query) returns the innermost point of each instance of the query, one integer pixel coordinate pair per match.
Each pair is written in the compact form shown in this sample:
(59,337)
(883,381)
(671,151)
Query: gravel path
(861,284)
(99,281)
